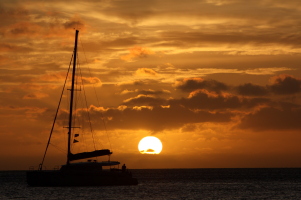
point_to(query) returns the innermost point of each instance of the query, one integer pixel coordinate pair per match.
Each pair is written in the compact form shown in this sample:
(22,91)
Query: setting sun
(150,145)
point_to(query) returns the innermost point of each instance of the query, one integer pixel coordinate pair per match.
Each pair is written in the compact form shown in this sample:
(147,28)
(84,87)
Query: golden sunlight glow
(150,145)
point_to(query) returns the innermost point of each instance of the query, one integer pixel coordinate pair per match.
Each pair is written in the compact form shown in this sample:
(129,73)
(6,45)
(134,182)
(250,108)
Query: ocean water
(170,184)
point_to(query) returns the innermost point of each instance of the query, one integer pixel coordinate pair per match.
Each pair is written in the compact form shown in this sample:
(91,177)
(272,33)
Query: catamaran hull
(60,178)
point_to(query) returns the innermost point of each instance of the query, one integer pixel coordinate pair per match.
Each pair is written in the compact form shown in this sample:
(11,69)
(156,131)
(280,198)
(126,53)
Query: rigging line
(80,120)
(56,114)
(66,118)
(88,114)
(79,100)
(102,116)
(83,125)
(58,148)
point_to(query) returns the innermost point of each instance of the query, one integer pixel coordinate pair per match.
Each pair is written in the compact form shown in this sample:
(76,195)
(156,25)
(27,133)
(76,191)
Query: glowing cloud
(137,52)
(145,72)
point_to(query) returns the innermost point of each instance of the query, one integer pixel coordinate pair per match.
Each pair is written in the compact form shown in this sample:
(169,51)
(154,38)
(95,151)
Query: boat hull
(84,178)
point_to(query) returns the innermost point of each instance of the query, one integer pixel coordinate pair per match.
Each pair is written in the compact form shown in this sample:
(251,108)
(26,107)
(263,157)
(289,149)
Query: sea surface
(284,183)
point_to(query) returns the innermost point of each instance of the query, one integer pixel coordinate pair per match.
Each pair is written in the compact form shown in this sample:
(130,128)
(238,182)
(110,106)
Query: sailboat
(89,173)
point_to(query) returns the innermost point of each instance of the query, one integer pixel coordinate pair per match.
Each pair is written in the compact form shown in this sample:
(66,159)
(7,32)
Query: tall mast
(71,98)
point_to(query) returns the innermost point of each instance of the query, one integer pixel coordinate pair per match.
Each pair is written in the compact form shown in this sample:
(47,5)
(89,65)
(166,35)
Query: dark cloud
(173,117)
(147,111)
(254,102)
(156,118)
(285,85)
(192,84)
(202,99)
(281,85)
(271,118)
(199,99)
(250,89)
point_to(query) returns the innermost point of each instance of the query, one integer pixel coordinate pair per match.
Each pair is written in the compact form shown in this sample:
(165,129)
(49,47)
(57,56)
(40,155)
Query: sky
(217,81)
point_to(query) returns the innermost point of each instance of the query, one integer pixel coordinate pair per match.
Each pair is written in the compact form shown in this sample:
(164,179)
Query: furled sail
(83,155)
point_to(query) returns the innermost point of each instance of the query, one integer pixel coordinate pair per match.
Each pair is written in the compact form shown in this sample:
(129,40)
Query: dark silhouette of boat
(90,173)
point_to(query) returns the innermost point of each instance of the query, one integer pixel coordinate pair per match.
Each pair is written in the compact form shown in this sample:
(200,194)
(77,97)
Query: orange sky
(217,81)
